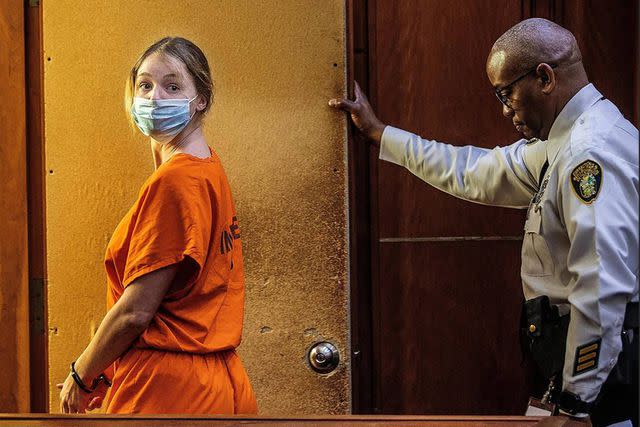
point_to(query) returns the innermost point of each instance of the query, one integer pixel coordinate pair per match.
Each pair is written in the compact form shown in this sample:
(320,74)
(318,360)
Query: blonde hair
(184,51)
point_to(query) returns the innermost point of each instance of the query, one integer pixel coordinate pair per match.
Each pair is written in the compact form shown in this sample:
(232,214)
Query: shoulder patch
(586,357)
(586,179)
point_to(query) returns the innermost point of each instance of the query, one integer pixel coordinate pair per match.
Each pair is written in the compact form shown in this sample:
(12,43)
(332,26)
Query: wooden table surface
(306,421)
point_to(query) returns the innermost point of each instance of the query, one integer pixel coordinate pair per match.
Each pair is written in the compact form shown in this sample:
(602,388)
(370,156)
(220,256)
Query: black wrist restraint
(101,378)
(78,380)
(94,384)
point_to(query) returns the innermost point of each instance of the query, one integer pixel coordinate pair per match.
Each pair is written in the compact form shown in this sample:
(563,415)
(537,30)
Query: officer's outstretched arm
(503,176)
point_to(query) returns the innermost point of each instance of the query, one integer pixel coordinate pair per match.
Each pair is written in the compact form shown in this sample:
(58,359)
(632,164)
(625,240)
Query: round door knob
(323,357)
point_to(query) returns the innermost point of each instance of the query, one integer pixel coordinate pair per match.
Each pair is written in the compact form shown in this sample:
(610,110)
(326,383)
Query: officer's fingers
(335,103)
(360,96)
(343,104)
(59,385)
(357,91)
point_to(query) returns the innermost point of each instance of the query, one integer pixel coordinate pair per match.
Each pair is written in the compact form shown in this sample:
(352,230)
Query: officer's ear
(546,77)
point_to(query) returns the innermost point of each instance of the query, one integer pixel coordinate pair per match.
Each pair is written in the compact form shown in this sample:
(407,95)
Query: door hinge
(36,306)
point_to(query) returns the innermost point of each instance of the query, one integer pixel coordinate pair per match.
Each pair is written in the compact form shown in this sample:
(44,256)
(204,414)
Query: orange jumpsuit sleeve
(164,228)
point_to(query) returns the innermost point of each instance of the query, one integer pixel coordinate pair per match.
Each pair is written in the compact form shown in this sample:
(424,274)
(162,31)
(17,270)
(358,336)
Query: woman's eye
(144,86)
(173,88)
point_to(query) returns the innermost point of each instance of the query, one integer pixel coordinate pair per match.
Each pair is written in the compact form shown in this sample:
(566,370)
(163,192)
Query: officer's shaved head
(537,67)
(531,42)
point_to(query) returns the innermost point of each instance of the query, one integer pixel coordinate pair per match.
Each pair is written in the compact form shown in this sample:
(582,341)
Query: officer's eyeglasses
(505,98)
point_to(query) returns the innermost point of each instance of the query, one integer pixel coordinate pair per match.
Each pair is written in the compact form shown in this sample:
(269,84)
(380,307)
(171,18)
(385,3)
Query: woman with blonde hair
(174,263)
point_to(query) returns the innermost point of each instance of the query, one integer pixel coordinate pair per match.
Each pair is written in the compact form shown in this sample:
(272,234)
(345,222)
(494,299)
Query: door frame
(38,330)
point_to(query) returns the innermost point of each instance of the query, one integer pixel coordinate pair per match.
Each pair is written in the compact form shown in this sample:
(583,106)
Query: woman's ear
(547,77)
(202,103)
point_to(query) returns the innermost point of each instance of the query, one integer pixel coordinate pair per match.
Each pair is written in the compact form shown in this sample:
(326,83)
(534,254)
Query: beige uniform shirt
(580,243)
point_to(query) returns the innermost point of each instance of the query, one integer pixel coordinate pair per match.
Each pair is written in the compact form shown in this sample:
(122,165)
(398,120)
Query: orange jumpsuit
(185,361)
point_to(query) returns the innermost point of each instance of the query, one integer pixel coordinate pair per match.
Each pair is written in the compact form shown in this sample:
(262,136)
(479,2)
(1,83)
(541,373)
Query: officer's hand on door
(363,116)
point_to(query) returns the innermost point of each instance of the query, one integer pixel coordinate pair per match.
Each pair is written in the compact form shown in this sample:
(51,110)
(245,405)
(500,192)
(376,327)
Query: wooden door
(275,64)
(438,292)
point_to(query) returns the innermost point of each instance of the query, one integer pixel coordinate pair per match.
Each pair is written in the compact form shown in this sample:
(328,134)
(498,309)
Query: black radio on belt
(545,334)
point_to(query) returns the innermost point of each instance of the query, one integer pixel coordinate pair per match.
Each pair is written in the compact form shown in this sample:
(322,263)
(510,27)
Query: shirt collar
(581,101)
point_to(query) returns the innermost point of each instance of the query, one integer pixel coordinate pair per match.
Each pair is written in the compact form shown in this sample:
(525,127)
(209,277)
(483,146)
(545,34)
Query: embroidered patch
(586,357)
(585,180)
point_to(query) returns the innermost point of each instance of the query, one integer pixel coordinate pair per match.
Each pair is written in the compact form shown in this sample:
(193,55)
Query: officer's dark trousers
(618,402)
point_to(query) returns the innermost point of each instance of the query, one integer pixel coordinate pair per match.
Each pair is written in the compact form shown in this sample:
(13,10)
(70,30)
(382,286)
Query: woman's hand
(97,397)
(73,400)
(124,322)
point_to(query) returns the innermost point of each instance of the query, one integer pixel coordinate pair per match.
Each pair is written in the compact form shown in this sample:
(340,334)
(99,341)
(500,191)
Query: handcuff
(102,378)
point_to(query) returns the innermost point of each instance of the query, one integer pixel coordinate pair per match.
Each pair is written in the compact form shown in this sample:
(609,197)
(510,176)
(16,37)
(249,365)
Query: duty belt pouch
(545,334)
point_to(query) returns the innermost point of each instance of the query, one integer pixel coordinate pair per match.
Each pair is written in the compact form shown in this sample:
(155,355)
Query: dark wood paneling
(426,74)
(430,71)
(540,8)
(606,35)
(36,201)
(410,207)
(445,314)
(448,342)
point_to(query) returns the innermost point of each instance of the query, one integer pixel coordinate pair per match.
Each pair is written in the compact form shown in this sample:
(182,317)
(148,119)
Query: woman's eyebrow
(170,75)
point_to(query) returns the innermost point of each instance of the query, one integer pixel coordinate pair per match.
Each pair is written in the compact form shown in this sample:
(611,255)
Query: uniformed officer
(577,173)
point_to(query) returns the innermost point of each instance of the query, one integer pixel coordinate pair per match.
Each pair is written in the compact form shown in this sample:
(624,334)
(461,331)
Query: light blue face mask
(161,119)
